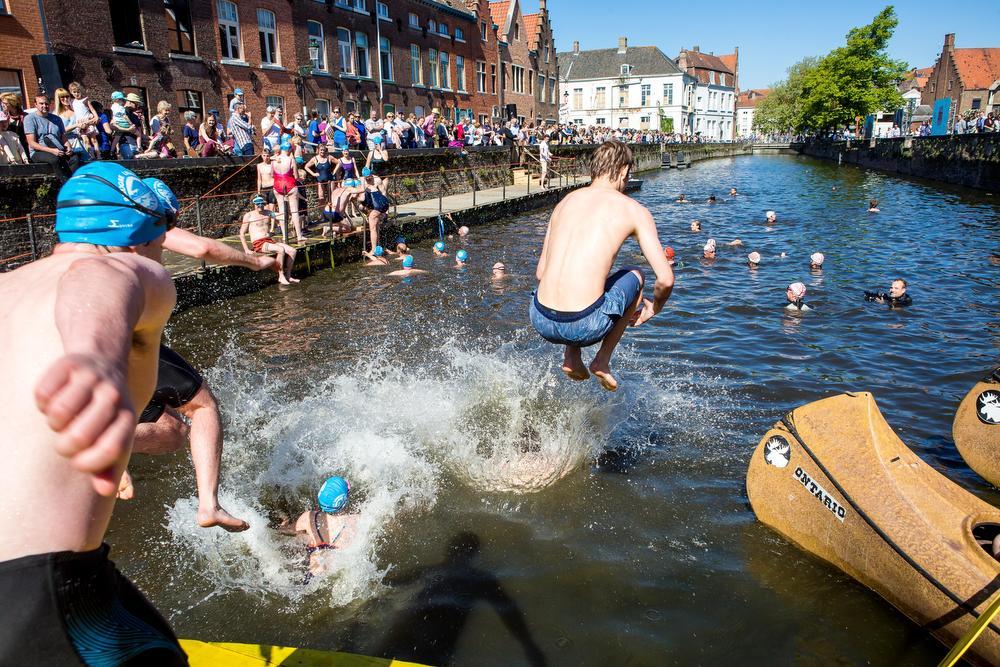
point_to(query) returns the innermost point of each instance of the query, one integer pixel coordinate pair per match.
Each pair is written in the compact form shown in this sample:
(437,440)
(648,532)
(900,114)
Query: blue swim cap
(168,200)
(259,201)
(366,172)
(439,246)
(285,146)
(400,239)
(118,95)
(408,262)
(461,255)
(377,139)
(333,494)
(378,251)
(106,204)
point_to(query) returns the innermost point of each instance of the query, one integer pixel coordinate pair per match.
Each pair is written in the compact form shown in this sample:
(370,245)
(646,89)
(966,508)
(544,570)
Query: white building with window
(634,87)
(711,97)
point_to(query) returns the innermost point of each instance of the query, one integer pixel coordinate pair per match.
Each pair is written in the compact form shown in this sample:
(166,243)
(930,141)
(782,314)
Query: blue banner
(942,116)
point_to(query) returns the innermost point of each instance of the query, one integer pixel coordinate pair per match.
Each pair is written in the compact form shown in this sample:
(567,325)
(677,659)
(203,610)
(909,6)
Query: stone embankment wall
(972,160)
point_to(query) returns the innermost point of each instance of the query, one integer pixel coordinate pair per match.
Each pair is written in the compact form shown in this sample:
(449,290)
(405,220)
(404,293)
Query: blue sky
(771,34)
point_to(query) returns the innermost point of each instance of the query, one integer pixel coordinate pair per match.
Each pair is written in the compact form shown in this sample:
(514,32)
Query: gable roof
(749,99)
(915,79)
(607,63)
(531,24)
(700,60)
(499,11)
(729,60)
(977,68)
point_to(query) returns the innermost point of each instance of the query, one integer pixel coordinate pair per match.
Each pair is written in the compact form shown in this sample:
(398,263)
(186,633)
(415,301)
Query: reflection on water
(616,525)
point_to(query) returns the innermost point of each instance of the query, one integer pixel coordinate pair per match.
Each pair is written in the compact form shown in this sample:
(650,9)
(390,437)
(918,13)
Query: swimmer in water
(695,225)
(873,206)
(579,301)
(709,250)
(401,248)
(376,257)
(771,217)
(795,294)
(461,257)
(407,269)
(499,270)
(753,260)
(816,261)
(439,249)
(463,231)
(735,242)
(327,528)
(733,192)
(682,200)
(712,199)
(669,253)
(896,298)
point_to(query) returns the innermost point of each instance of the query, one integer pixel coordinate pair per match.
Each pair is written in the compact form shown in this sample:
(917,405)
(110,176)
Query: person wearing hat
(374,202)
(241,129)
(407,270)
(237,99)
(271,129)
(257,223)
(81,332)
(709,250)
(47,143)
(816,261)
(795,294)
(330,527)
(670,254)
(376,257)
(121,125)
(753,260)
(11,149)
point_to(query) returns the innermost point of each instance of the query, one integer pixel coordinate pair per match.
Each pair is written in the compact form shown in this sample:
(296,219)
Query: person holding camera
(896,298)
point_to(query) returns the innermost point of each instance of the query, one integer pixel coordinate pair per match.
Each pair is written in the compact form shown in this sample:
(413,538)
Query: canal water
(509,516)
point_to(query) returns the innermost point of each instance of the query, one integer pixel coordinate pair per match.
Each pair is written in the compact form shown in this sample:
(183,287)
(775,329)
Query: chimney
(622,44)
(696,48)
(949,42)
(541,6)
(576,48)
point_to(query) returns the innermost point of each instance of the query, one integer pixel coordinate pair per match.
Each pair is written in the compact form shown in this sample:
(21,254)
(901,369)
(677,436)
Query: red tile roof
(750,98)
(499,11)
(978,68)
(701,60)
(531,23)
(729,60)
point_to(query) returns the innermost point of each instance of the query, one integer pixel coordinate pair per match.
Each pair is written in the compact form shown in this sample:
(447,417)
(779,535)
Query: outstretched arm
(649,243)
(185,243)
(103,307)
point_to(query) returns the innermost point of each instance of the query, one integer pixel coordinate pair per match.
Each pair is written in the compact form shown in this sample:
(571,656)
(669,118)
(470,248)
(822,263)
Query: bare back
(586,231)
(48,505)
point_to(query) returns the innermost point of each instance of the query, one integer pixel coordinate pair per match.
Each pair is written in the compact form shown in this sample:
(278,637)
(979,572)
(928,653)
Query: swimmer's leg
(206,454)
(164,436)
(279,250)
(290,253)
(573,364)
(601,365)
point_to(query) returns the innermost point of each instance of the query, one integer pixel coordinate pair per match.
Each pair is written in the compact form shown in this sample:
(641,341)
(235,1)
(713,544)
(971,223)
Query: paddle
(959,649)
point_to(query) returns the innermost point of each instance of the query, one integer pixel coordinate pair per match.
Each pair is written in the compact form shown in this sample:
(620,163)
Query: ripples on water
(618,523)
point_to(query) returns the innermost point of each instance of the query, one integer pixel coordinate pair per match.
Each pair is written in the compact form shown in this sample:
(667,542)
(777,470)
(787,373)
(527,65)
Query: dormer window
(626,70)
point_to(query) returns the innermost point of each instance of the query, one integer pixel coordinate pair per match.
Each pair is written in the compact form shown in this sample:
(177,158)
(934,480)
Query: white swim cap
(710,245)
(797,289)
(817,258)
(754,257)
(770,213)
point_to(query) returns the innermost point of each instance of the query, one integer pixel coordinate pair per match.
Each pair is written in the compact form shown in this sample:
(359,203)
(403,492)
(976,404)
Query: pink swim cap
(797,289)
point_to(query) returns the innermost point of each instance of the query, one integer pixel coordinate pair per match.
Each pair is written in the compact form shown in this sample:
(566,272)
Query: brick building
(964,75)
(22,34)
(359,55)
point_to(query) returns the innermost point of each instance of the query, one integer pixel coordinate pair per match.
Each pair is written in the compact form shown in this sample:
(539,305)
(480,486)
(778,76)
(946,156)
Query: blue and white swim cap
(366,172)
(461,256)
(439,246)
(168,200)
(104,203)
(377,139)
(378,251)
(260,201)
(408,262)
(333,494)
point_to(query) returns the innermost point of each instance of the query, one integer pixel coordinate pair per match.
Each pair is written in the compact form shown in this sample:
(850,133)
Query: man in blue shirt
(241,130)
(47,144)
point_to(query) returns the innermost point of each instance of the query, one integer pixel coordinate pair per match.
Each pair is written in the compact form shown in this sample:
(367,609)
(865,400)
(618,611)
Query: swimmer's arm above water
(105,307)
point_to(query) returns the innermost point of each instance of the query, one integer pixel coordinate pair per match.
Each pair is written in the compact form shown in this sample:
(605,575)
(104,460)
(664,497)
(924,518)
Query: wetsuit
(905,300)
(324,170)
(176,384)
(68,608)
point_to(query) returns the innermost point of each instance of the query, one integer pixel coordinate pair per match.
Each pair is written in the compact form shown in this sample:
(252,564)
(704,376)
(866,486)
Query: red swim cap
(668,252)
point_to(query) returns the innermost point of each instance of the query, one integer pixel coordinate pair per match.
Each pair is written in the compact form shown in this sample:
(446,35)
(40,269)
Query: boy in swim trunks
(265,181)
(81,330)
(577,304)
(256,222)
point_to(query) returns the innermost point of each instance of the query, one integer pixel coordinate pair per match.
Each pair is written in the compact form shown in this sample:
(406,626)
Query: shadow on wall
(429,629)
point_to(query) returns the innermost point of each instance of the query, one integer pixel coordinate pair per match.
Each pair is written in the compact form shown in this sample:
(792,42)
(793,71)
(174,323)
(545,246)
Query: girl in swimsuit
(328,528)
(285,189)
(378,162)
(320,167)
(346,165)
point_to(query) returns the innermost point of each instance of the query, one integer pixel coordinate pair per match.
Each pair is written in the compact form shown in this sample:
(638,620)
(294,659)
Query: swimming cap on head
(770,213)
(400,239)
(376,140)
(817,258)
(333,494)
(286,137)
(378,251)
(168,200)
(366,172)
(286,146)
(408,262)
(258,201)
(439,246)
(668,252)
(754,257)
(710,245)
(118,95)
(106,204)
(462,256)
(797,289)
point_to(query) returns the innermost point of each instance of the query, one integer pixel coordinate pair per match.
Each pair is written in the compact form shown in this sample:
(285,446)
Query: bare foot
(604,376)
(282,279)
(221,518)
(293,280)
(125,489)
(573,365)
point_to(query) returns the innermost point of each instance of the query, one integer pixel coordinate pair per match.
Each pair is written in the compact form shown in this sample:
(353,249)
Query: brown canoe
(835,479)
(976,429)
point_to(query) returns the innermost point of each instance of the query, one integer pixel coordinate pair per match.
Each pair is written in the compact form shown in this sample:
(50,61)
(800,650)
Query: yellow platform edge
(221,654)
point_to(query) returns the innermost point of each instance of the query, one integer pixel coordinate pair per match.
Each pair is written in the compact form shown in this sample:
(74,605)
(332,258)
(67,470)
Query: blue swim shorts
(592,324)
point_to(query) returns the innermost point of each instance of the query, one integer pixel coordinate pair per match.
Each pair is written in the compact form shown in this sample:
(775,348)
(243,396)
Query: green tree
(779,111)
(854,80)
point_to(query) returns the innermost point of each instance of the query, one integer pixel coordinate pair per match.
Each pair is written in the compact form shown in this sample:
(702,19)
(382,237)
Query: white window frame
(226,26)
(416,65)
(414,21)
(276,101)
(443,30)
(382,10)
(601,97)
(444,75)
(432,67)
(459,34)
(361,47)
(317,103)
(345,47)
(600,121)
(645,94)
(460,73)
(432,26)
(625,70)
(264,32)
(387,51)
(577,99)
(668,94)
(517,78)
(321,64)
(480,76)
(552,90)
(722,78)
(483,34)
